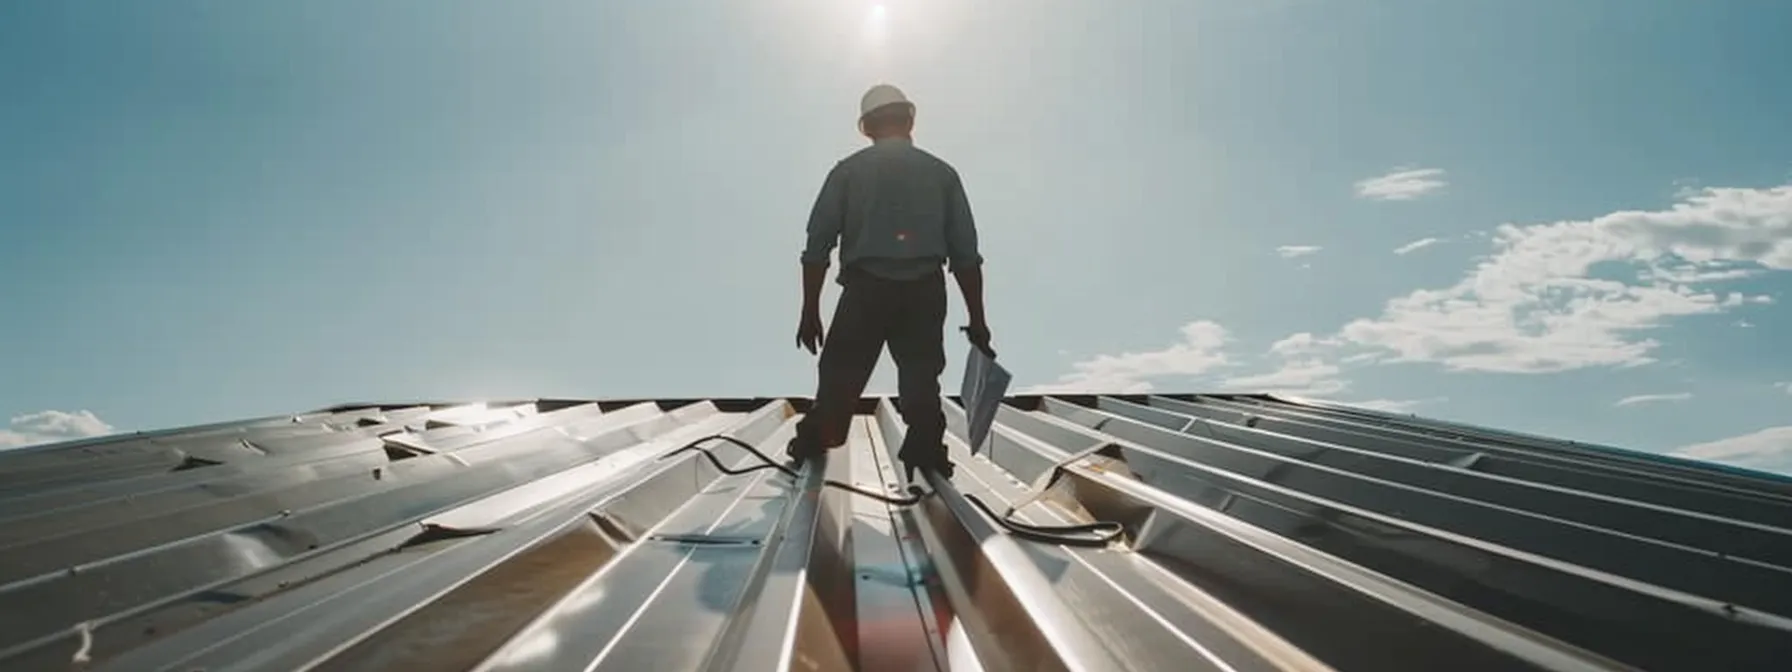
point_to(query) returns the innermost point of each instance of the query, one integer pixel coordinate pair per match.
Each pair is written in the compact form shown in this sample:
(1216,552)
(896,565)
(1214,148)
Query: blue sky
(214,210)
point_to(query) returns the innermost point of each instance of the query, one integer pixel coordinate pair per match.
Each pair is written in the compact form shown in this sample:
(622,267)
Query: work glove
(800,451)
(978,334)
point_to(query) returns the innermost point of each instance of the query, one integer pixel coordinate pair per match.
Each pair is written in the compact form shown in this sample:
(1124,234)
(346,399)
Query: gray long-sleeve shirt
(896,211)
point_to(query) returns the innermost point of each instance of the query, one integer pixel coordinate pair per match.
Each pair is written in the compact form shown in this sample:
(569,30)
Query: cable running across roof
(1073,535)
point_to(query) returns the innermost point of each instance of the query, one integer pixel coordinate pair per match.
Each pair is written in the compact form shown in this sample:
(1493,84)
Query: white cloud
(1536,306)
(1201,350)
(1685,187)
(1785,387)
(1395,405)
(1686,275)
(1767,450)
(51,426)
(1293,251)
(1305,370)
(1308,377)
(1416,245)
(1552,297)
(1402,184)
(1303,344)
(1653,398)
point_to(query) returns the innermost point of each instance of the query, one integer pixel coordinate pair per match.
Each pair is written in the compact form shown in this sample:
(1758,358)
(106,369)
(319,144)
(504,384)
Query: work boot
(934,459)
(800,449)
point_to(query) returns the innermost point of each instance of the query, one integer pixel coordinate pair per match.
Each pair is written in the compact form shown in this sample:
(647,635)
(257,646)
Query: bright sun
(874,24)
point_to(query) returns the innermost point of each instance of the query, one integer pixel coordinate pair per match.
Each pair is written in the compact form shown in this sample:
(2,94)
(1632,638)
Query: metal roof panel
(1254,533)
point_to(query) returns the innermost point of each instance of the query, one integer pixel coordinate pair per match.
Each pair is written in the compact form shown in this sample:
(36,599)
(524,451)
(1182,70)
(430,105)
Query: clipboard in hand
(985,385)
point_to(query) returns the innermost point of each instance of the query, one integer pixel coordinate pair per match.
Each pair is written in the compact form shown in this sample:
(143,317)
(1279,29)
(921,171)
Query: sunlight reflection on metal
(539,647)
(959,655)
(584,600)
(250,553)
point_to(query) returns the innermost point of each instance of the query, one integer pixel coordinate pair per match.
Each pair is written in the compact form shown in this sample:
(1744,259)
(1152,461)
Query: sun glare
(875,24)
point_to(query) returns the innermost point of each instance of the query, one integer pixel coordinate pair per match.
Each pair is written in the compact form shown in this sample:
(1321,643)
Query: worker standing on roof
(898,214)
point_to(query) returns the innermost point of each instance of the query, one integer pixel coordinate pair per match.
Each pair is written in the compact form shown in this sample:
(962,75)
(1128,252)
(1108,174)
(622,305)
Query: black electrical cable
(770,463)
(1106,531)
(1055,534)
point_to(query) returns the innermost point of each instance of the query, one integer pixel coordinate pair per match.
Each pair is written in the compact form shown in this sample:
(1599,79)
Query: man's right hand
(978,333)
(809,333)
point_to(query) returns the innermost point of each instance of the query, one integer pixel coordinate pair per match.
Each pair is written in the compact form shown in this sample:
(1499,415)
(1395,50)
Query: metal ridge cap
(1057,638)
(780,581)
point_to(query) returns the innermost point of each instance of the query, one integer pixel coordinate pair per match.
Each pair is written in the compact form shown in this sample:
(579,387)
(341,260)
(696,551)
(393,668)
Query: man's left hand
(978,333)
(809,332)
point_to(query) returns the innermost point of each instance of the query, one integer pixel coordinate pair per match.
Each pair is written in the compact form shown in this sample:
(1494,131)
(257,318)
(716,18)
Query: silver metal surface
(898,617)
(1258,534)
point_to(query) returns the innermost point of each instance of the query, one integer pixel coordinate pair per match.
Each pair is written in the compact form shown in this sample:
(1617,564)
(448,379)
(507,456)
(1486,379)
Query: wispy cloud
(1294,251)
(1653,398)
(1534,306)
(1309,367)
(1766,450)
(1685,274)
(1309,377)
(1402,184)
(1303,344)
(1303,368)
(1201,350)
(51,426)
(1416,245)
(1784,387)
(1396,405)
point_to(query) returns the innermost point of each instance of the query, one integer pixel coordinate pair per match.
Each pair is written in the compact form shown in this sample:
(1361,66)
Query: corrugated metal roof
(1259,534)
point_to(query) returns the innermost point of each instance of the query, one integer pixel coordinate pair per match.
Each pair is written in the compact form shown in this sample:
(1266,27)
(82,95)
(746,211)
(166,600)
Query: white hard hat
(879,96)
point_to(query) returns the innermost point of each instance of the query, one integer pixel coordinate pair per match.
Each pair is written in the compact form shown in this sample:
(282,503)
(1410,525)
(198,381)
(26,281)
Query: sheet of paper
(985,385)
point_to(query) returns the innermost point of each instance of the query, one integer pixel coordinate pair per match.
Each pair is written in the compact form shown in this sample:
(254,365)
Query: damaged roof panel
(1175,533)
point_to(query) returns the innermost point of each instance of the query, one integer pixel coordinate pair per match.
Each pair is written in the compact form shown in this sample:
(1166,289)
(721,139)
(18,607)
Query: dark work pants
(910,317)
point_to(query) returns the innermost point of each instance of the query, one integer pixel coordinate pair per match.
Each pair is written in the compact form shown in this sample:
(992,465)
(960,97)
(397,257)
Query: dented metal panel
(1254,534)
